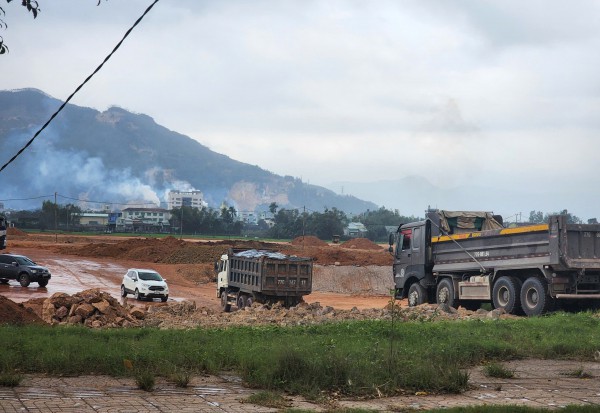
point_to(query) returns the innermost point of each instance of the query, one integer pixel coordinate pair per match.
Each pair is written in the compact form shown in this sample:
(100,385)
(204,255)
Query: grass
(498,371)
(10,379)
(145,380)
(579,373)
(267,399)
(366,358)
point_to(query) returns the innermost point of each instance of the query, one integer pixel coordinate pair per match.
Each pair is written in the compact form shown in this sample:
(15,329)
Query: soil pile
(171,250)
(186,315)
(15,232)
(361,244)
(92,308)
(309,241)
(16,314)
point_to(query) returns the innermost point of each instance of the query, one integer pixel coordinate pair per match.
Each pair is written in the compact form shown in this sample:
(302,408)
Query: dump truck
(462,258)
(245,276)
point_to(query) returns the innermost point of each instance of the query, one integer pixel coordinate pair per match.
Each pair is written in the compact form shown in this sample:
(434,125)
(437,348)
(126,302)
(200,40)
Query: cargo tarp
(454,222)
(261,253)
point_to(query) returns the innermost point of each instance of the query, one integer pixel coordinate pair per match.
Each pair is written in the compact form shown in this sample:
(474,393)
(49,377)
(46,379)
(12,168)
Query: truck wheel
(224,304)
(249,301)
(505,294)
(43,283)
(123,292)
(445,293)
(241,302)
(24,280)
(534,297)
(416,295)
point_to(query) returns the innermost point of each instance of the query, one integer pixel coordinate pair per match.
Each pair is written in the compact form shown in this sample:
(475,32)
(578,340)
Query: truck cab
(413,262)
(221,267)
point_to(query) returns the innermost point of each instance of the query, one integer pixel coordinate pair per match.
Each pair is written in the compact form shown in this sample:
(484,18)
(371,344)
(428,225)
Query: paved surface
(537,383)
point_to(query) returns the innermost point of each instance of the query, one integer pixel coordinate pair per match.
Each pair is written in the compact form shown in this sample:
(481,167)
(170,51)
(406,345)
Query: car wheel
(3,281)
(123,292)
(137,294)
(164,299)
(43,283)
(24,280)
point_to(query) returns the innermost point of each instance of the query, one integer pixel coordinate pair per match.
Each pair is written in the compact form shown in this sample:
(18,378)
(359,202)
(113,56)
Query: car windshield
(24,261)
(150,276)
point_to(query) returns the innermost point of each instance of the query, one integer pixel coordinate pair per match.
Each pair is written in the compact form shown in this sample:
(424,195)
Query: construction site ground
(351,281)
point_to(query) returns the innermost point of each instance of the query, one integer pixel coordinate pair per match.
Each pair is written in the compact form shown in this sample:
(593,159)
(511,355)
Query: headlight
(145,285)
(33,271)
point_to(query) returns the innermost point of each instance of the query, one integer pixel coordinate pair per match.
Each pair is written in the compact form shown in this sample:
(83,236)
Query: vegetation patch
(498,371)
(267,399)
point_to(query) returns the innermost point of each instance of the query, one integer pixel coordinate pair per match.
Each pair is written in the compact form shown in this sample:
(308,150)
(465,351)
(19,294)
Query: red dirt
(361,244)
(15,231)
(308,241)
(16,314)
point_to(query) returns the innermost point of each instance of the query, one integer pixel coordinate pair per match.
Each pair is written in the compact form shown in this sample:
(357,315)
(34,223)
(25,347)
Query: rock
(85,310)
(61,312)
(48,311)
(137,313)
(76,319)
(102,306)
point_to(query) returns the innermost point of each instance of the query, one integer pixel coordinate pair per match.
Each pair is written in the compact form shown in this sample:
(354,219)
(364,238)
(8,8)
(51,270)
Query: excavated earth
(351,282)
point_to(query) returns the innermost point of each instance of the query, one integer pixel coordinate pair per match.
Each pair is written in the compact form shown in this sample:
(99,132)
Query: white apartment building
(193,199)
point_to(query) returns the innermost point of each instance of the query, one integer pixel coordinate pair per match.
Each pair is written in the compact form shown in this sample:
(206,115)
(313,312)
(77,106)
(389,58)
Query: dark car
(22,269)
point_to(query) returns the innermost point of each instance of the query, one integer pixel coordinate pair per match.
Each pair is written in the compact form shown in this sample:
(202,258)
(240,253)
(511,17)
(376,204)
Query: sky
(501,94)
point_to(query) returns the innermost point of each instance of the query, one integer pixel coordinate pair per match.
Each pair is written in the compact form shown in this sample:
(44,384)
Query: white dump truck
(245,276)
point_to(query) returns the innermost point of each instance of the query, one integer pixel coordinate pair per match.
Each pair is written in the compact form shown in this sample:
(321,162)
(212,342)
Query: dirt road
(71,274)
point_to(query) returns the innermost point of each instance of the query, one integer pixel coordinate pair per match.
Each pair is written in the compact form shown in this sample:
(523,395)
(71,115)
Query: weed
(579,373)
(498,371)
(267,399)
(10,379)
(145,380)
(181,378)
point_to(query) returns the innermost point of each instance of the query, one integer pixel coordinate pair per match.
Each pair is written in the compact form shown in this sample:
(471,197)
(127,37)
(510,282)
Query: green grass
(498,371)
(10,379)
(267,399)
(352,358)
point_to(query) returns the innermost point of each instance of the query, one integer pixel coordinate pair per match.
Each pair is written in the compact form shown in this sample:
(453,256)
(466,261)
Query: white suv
(144,284)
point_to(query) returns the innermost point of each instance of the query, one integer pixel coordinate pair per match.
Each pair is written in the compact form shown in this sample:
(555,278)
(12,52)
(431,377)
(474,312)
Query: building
(92,219)
(144,220)
(193,199)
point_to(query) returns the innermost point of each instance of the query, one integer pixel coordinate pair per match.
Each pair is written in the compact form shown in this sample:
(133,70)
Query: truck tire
(534,297)
(249,301)
(224,304)
(24,280)
(445,293)
(416,295)
(506,294)
(241,302)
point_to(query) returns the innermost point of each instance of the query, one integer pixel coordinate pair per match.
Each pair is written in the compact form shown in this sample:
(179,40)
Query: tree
(31,6)
(273,208)
(536,217)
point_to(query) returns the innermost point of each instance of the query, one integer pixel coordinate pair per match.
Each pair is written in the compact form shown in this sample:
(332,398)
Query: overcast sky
(502,92)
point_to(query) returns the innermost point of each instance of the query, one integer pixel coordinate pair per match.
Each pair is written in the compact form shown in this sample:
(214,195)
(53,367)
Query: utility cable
(79,87)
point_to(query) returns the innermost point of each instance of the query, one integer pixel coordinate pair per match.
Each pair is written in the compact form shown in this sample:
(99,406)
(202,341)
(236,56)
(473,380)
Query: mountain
(118,157)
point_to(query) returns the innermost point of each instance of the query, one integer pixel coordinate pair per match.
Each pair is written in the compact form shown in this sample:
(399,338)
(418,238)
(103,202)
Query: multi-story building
(193,199)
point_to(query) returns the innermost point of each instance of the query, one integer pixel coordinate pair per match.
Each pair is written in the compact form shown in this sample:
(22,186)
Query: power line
(78,88)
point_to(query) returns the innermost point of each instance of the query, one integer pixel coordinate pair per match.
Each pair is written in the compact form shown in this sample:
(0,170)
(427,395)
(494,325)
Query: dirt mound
(15,232)
(361,244)
(309,241)
(16,314)
(92,308)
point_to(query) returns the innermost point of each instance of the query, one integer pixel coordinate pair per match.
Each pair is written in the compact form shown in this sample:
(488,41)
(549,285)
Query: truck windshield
(150,276)
(406,236)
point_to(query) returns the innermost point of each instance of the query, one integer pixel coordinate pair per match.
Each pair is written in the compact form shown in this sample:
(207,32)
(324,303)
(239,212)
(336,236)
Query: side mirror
(14,263)
(216,266)
(392,239)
